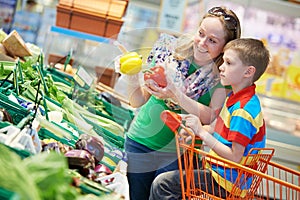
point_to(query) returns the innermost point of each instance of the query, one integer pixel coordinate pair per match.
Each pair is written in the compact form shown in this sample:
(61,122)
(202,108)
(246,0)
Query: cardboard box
(270,85)
(292,84)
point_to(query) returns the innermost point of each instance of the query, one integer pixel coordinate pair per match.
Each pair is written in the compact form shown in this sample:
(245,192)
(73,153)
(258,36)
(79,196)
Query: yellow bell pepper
(131,63)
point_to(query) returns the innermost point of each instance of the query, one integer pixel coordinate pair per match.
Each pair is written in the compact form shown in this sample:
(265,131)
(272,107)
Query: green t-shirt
(148,129)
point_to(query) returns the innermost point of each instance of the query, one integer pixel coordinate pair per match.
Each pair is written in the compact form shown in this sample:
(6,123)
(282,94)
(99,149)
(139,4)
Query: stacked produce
(47,108)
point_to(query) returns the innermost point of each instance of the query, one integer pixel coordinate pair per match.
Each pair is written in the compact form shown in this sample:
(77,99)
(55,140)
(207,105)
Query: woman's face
(209,40)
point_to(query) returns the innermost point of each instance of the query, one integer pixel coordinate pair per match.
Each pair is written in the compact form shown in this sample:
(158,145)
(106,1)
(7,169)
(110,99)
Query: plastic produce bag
(119,183)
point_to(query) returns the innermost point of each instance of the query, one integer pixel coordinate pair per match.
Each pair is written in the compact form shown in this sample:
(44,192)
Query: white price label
(84,76)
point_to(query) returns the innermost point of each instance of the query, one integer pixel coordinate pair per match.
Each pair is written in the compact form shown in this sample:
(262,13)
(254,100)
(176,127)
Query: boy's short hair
(251,52)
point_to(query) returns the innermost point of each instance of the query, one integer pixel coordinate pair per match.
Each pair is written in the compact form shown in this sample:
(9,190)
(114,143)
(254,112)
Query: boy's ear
(250,71)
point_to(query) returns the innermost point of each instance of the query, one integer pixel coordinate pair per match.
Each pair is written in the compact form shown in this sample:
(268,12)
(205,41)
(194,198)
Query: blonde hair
(252,52)
(184,48)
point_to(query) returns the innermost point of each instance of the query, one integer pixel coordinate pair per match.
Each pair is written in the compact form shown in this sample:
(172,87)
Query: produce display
(43,110)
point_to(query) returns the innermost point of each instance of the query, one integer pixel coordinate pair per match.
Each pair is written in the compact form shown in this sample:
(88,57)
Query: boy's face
(233,72)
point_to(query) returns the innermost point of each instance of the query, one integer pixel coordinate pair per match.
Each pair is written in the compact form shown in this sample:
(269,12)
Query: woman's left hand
(163,93)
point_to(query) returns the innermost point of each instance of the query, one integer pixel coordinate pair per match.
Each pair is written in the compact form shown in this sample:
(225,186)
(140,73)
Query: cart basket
(202,174)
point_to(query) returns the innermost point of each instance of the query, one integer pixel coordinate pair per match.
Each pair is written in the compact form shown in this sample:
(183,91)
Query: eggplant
(79,159)
(91,144)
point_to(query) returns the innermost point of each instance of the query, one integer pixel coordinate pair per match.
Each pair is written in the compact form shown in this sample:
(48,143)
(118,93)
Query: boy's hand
(193,123)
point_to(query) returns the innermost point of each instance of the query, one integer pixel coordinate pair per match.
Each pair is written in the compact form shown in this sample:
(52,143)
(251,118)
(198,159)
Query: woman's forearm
(205,113)
(137,96)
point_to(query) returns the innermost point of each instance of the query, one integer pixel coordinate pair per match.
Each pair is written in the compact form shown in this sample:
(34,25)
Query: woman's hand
(170,91)
(136,94)
(152,87)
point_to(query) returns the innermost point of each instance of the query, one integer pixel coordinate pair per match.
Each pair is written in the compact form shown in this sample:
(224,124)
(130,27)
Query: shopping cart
(258,178)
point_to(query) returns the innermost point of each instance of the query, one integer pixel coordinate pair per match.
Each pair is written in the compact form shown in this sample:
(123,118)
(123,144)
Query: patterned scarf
(199,82)
(194,85)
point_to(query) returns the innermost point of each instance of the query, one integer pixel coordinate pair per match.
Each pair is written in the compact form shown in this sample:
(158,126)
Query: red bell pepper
(171,119)
(157,74)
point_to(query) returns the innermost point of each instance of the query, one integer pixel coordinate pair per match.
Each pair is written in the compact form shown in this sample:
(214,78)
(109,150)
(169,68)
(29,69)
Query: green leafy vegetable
(50,173)
(14,175)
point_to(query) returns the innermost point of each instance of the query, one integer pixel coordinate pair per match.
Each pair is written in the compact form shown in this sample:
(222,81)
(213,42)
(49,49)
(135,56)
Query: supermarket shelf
(80,35)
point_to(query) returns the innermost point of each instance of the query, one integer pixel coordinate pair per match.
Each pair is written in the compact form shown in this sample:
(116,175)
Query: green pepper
(130,63)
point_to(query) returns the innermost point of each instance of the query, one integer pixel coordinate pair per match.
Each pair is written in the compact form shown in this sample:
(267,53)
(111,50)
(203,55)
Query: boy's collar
(243,96)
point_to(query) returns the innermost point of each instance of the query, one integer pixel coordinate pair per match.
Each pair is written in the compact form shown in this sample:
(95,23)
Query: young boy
(239,127)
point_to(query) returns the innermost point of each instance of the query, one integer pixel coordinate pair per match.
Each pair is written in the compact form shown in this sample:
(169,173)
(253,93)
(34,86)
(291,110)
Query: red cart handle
(171,119)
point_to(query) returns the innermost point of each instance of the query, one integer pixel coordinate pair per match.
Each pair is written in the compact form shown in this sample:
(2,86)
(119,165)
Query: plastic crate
(107,135)
(16,111)
(121,115)
(60,76)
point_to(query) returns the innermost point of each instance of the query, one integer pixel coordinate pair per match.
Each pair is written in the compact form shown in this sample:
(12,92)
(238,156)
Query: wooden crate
(113,26)
(66,2)
(54,58)
(63,16)
(95,6)
(88,22)
(117,9)
(98,17)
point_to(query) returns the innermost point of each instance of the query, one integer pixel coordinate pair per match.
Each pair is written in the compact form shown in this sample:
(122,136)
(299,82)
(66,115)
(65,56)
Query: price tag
(83,78)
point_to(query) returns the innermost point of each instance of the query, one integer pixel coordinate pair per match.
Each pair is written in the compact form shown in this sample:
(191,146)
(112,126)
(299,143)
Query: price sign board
(172,15)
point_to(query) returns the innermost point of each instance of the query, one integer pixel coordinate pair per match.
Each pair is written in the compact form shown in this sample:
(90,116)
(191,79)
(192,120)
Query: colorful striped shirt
(240,121)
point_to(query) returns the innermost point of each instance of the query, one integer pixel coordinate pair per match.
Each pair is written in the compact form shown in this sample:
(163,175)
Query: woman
(149,144)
